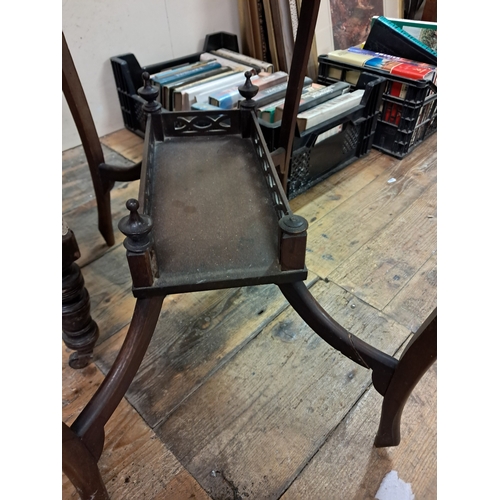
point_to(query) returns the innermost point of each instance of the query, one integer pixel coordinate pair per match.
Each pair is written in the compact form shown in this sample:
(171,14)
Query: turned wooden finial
(248,90)
(149,93)
(136,227)
(293,224)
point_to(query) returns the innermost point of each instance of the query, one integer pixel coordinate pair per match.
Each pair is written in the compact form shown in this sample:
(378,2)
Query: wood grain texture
(335,190)
(125,143)
(83,221)
(134,464)
(381,267)
(417,298)
(349,467)
(343,231)
(260,419)
(77,187)
(252,404)
(197,334)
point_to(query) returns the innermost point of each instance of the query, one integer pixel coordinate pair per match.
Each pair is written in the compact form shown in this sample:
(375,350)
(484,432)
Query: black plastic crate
(408,112)
(314,158)
(128,77)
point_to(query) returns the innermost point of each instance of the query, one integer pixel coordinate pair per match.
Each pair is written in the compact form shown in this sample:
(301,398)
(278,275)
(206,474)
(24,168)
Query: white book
(329,109)
(236,56)
(207,56)
(200,93)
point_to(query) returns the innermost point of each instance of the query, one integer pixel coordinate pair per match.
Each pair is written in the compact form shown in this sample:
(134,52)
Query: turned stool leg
(79,330)
(417,358)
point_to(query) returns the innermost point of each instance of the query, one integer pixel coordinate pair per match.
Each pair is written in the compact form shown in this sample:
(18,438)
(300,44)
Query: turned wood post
(293,242)
(141,260)
(248,105)
(79,330)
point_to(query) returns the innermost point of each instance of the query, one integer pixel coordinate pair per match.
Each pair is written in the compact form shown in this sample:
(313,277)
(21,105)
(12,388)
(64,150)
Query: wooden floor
(236,397)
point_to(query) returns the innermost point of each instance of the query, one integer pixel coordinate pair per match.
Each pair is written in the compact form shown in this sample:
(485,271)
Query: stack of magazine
(212,83)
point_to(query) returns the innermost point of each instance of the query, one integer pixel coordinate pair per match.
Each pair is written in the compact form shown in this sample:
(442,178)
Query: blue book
(190,70)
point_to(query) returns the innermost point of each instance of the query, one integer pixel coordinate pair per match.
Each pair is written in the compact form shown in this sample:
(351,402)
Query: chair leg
(81,467)
(417,358)
(89,425)
(79,330)
(78,105)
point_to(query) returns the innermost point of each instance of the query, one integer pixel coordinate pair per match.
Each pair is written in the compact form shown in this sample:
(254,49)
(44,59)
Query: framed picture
(351,18)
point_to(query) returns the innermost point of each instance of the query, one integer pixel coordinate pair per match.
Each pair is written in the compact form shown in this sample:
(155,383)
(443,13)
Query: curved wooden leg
(382,365)
(78,105)
(417,358)
(89,425)
(81,467)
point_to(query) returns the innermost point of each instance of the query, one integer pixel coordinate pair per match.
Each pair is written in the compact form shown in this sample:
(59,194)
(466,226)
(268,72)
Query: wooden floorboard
(349,467)
(262,417)
(378,270)
(236,397)
(135,464)
(342,231)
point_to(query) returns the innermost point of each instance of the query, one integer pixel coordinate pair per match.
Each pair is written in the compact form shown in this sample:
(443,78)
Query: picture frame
(351,18)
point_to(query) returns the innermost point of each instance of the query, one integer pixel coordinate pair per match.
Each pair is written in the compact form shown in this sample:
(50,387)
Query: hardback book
(196,69)
(386,64)
(243,59)
(224,61)
(388,38)
(268,112)
(328,110)
(185,71)
(177,91)
(184,99)
(267,95)
(228,98)
(366,52)
(169,71)
(169,88)
(351,76)
(423,31)
(315,96)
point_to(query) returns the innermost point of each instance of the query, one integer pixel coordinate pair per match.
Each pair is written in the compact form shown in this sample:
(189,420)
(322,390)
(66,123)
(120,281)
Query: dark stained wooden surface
(236,396)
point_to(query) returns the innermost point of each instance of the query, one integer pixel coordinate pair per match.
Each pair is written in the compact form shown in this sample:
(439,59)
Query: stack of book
(212,83)
(183,86)
(318,104)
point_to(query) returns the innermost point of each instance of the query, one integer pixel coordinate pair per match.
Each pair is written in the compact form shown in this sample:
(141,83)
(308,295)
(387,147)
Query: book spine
(189,72)
(328,110)
(203,95)
(205,56)
(170,89)
(389,65)
(358,50)
(228,98)
(170,71)
(312,98)
(251,61)
(270,94)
